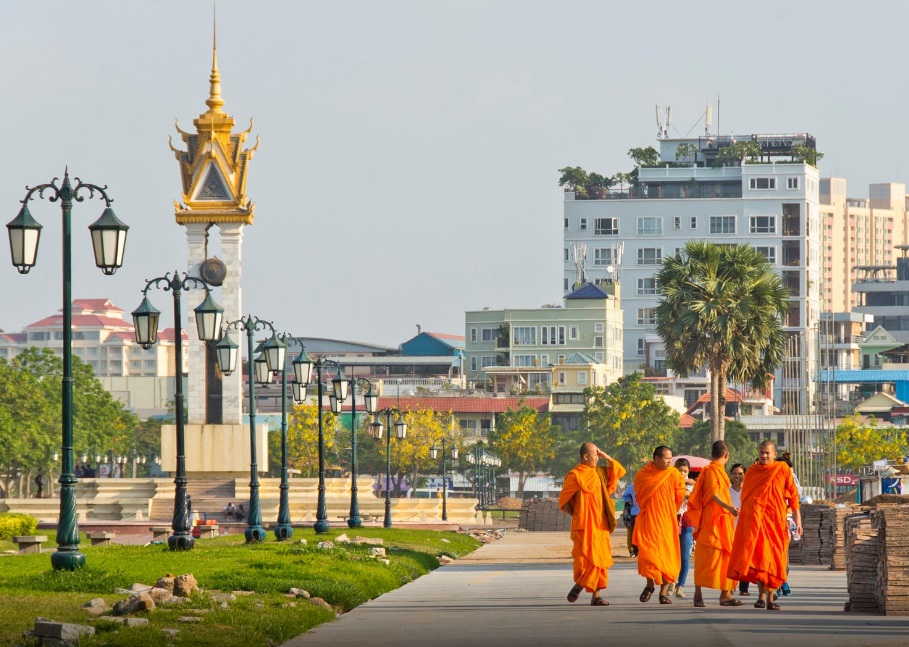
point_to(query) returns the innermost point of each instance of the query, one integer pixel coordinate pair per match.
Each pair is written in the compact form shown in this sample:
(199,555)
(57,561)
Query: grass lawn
(344,576)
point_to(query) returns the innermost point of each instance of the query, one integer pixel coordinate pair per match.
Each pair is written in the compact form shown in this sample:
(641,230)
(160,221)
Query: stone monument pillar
(213,171)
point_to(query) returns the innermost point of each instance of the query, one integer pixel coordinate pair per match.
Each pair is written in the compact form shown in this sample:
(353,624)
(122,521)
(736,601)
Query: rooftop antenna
(666,126)
(659,118)
(579,253)
(708,120)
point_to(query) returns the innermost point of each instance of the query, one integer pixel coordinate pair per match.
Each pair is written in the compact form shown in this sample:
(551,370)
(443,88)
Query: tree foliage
(628,421)
(31,415)
(738,152)
(721,306)
(806,154)
(525,441)
(584,184)
(862,443)
(303,437)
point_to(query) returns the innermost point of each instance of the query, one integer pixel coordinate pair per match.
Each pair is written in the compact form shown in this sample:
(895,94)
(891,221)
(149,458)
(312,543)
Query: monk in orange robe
(760,549)
(711,511)
(659,491)
(587,496)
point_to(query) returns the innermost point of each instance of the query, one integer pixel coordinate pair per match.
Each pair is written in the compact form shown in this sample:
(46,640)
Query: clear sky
(407,170)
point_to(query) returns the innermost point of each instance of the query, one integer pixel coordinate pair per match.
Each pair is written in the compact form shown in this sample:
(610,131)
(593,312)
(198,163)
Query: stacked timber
(839,536)
(543,515)
(861,553)
(892,589)
(795,551)
(814,536)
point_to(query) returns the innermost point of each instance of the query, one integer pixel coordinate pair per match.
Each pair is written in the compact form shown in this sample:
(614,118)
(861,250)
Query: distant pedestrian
(39,483)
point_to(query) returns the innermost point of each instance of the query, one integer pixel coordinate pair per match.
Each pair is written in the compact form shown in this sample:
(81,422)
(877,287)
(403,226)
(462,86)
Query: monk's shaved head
(719,449)
(768,443)
(766,452)
(588,448)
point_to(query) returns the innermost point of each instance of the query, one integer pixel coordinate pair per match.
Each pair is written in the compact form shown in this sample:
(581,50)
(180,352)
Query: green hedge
(16,525)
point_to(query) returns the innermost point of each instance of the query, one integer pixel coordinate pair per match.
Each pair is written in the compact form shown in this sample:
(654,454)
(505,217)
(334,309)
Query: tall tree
(525,441)
(303,437)
(628,420)
(721,306)
(861,443)
(425,428)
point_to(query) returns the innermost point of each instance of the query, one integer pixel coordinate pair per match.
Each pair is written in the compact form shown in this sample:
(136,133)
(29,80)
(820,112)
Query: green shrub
(15,525)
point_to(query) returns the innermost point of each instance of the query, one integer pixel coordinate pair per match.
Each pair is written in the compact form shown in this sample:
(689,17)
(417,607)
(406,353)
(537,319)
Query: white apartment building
(577,345)
(772,205)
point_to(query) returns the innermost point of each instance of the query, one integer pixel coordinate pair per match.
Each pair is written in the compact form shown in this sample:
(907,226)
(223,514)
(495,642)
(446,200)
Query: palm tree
(721,306)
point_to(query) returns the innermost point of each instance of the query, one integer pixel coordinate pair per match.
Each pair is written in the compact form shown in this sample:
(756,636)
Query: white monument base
(214,451)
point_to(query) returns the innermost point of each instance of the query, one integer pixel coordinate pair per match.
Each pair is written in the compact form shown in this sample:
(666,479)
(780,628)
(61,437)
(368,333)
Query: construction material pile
(543,515)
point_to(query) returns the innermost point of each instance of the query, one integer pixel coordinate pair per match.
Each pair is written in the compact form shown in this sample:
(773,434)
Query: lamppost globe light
(371,399)
(24,233)
(434,452)
(275,351)
(108,241)
(303,367)
(299,390)
(401,428)
(208,318)
(454,452)
(263,373)
(228,352)
(145,323)
(340,385)
(376,429)
(334,403)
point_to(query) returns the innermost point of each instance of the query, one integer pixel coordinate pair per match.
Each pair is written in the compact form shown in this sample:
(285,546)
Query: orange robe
(714,528)
(760,552)
(659,494)
(588,490)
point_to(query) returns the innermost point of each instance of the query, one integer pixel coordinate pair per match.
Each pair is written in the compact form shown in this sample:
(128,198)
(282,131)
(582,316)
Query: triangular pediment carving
(213,188)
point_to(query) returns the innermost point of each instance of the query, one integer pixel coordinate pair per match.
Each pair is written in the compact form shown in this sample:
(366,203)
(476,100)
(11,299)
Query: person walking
(736,477)
(587,496)
(39,483)
(629,514)
(686,532)
(660,491)
(710,509)
(760,548)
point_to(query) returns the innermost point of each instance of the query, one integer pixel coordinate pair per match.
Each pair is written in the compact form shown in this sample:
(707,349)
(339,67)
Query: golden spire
(214,101)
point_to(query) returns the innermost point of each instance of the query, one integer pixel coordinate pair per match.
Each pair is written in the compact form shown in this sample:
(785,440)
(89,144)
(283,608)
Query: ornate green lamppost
(371,400)
(377,430)
(208,325)
(228,353)
(434,453)
(109,242)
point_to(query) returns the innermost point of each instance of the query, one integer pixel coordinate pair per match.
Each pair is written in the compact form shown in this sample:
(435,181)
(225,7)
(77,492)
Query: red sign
(843,479)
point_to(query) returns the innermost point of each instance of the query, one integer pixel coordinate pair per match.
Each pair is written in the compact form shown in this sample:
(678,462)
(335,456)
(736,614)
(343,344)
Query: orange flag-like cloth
(713,528)
(659,494)
(586,493)
(761,546)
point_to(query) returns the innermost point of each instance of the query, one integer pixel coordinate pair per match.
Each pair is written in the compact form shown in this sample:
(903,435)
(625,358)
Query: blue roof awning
(869,376)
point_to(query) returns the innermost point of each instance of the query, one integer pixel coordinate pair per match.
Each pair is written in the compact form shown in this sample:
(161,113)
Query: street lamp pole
(228,352)
(433,452)
(208,325)
(401,432)
(371,399)
(108,241)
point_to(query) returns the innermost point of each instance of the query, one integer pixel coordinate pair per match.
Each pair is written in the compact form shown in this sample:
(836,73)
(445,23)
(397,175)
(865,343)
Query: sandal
(759,604)
(597,601)
(773,606)
(664,599)
(731,603)
(574,593)
(646,593)
(699,603)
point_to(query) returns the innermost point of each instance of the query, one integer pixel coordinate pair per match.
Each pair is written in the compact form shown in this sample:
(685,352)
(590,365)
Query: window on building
(468,426)
(568,398)
(694,222)
(650,226)
(582,378)
(722,224)
(650,256)
(561,358)
(525,335)
(598,326)
(598,356)
(473,335)
(598,341)
(603,256)
(769,253)
(487,360)
(762,183)
(762,225)
(792,183)
(606,227)
(489,334)
(573,332)
(565,285)
(566,224)
(473,363)
(552,335)
(583,224)
(646,316)
(524,360)
(647,286)
(544,359)
(565,255)
(677,222)
(561,378)
(641,347)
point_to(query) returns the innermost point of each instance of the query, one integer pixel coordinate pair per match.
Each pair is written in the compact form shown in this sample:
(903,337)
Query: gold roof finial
(214,101)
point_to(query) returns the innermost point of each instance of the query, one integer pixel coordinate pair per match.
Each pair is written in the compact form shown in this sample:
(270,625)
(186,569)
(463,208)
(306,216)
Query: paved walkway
(512,592)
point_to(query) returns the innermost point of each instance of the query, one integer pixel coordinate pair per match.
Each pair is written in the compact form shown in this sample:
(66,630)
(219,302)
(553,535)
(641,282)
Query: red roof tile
(465,405)
(82,321)
(95,304)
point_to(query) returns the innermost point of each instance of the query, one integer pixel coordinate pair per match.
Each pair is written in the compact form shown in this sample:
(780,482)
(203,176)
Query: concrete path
(512,592)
